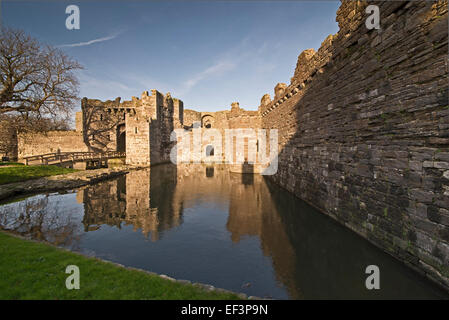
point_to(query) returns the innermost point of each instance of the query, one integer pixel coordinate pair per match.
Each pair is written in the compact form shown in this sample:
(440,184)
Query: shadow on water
(330,260)
(206,224)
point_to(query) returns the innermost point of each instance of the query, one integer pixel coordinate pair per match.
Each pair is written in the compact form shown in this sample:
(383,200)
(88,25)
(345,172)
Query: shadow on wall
(103,130)
(368,110)
(121,138)
(8,141)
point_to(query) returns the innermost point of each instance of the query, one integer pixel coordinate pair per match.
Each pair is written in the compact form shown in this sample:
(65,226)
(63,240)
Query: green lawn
(22,173)
(10,164)
(31,270)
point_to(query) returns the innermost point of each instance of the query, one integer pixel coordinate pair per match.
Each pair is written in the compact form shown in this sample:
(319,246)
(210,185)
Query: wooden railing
(60,157)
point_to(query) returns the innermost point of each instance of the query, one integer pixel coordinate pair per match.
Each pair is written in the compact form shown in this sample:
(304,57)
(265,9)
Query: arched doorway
(121,138)
(209,151)
(207,121)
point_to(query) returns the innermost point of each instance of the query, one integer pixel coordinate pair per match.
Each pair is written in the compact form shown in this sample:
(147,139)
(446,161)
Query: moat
(204,224)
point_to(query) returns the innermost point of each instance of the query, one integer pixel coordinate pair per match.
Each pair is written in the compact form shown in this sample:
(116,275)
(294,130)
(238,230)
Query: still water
(205,224)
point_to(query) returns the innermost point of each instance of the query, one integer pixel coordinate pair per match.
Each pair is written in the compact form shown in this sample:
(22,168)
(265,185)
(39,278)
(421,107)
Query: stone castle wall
(54,141)
(363,130)
(222,121)
(140,127)
(191,116)
(8,140)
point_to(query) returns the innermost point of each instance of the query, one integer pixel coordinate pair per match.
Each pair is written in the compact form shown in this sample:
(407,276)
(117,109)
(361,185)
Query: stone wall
(140,127)
(8,140)
(148,128)
(40,143)
(190,117)
(235,118)
(363,130)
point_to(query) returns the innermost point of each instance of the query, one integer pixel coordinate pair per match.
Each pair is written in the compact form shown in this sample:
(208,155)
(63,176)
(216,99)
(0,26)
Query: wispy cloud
(214,70)
(87,43)
(107,84)
(103,86)
(246,51)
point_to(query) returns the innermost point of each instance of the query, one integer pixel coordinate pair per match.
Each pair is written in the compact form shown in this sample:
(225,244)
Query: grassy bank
(11,164)
(31,270)
(18,173)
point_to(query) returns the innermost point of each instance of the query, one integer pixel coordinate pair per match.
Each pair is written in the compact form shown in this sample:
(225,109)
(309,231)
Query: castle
(140,127)
(363,129)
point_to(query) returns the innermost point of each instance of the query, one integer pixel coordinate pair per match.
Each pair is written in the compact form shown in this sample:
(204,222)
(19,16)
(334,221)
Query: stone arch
(209,150)
(207,121)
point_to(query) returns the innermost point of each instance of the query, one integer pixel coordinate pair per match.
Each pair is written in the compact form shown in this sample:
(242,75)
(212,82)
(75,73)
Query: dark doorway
(121,139)
(209,172)
(209,151)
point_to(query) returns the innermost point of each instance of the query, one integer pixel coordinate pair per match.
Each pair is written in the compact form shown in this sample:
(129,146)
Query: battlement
(310,62)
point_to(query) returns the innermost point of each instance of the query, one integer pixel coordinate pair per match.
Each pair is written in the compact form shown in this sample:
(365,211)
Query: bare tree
(35,79)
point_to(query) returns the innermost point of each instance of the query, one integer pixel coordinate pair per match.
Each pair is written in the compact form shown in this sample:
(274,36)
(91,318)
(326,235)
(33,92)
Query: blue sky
(207,53)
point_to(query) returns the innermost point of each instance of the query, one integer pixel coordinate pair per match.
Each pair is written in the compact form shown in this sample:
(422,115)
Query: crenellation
(265,100)
(279,90)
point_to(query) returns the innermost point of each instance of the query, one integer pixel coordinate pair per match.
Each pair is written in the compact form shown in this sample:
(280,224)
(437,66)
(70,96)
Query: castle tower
(139,127)
(178,113)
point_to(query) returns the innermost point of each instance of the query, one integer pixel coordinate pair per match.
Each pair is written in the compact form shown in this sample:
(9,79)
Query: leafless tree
(35,79)
(41,220)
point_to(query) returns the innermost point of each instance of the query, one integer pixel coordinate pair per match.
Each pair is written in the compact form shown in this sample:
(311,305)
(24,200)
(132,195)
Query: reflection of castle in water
(153,200)
(141,199)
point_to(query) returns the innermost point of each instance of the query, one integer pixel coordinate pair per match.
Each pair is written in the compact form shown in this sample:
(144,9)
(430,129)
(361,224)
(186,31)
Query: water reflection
(207,224)
(130,200)
(36,220)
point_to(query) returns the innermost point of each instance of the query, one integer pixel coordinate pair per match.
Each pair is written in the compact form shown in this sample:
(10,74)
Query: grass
(22,173)
(31,270)
(11,164)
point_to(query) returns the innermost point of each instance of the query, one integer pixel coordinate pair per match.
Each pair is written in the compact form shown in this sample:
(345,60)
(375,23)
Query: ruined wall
(237,118)
(363,130)
(190,117)
(140,127)
(100,123)
(96,131)
(178,112)
(149,126)
(137,131)
(240,118)
(40,143)
(8,140)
